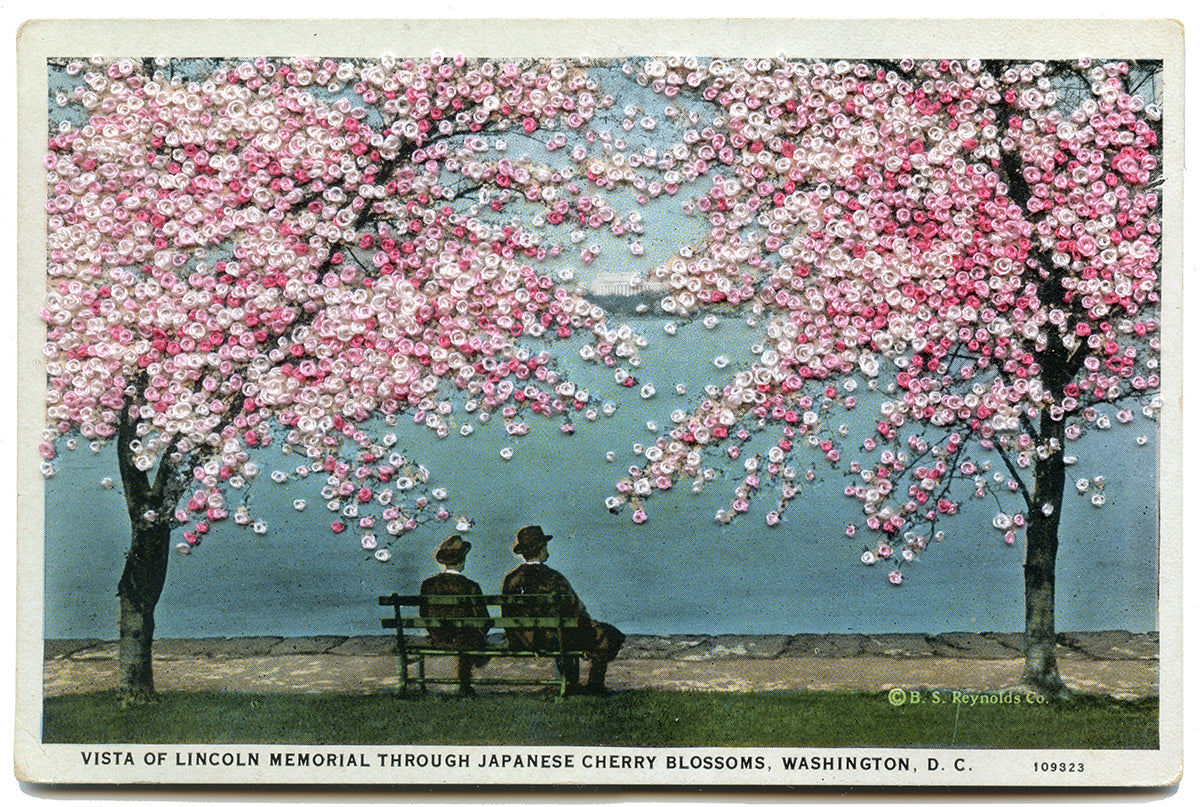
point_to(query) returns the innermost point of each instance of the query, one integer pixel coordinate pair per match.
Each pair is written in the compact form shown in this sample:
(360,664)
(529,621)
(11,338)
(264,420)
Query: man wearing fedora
(452,555)
(599,641)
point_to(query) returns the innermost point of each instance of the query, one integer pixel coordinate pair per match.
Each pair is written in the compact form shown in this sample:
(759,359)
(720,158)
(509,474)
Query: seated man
(452,555)
(598,640)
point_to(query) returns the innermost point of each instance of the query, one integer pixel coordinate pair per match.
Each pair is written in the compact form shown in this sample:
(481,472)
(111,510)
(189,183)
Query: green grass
(650,719)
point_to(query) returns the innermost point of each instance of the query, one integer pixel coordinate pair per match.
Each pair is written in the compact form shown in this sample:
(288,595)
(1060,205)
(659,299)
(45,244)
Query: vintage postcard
(654,403)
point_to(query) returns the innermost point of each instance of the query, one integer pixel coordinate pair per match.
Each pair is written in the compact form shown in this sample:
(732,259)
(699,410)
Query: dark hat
(452,551)
(530,540)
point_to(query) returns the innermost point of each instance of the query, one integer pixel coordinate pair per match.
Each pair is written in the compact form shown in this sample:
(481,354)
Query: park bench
(554,612)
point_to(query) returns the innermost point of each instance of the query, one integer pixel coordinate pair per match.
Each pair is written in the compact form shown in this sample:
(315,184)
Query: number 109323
(1058,767)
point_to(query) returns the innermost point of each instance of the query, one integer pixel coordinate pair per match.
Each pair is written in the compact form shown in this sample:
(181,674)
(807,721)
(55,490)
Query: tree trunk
(146,563)
(1058,365)
(140,587)
(1041,556)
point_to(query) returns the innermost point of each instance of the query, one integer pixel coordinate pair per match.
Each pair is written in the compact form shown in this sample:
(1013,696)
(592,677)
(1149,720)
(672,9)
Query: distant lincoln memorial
(623,284)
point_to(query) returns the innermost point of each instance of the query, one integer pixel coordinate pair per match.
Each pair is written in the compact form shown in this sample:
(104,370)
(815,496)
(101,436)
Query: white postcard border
(1161,39)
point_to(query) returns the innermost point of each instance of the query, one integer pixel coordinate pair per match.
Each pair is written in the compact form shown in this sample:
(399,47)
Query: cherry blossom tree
(271,252)
(978,240)
(285,254)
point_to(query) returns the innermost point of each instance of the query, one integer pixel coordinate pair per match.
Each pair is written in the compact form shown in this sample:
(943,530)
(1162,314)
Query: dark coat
(454,638)
(597,639)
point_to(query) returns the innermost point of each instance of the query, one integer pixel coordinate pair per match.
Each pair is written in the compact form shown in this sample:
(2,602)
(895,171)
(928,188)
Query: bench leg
(464,676)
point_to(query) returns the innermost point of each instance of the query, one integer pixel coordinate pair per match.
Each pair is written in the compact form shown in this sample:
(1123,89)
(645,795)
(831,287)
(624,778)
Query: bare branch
(1025,494)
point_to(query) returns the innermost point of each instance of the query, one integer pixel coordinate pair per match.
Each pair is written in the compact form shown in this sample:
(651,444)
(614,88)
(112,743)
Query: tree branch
(1025,494)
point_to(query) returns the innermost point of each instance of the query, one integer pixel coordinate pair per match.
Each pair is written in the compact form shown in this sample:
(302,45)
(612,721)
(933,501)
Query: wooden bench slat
(415,600)
(493,681)
(478,622)
(498,652)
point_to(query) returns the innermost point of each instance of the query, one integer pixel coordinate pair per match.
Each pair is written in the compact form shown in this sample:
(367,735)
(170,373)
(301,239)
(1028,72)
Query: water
(681,572)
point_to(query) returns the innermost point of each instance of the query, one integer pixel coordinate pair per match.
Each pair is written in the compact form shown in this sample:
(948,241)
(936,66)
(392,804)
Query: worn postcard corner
(661,403)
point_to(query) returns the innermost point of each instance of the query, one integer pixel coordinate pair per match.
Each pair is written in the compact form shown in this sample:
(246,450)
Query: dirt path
(1120,665)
